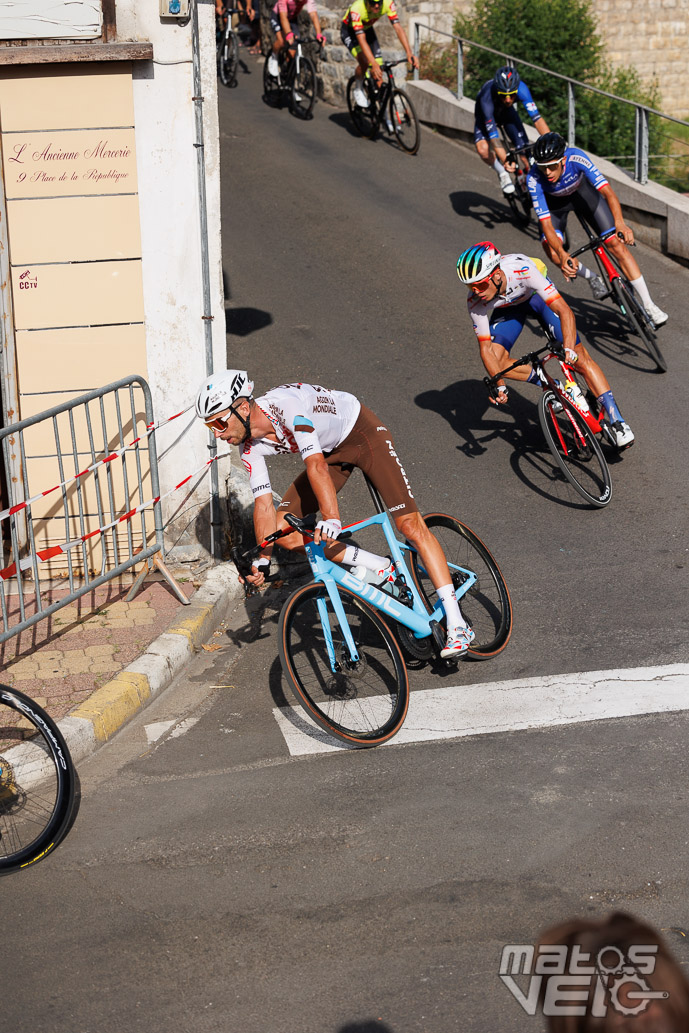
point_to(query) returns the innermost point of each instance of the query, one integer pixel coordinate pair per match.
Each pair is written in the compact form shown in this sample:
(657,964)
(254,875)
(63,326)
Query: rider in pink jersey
(283,22)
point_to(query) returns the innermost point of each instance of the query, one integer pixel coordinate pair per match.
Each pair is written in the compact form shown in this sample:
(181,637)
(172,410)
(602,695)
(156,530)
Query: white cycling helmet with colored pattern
(478,262)
(220,391)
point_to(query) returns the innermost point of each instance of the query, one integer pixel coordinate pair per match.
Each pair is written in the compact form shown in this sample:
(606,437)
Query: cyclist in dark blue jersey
(564,179)
(496,105)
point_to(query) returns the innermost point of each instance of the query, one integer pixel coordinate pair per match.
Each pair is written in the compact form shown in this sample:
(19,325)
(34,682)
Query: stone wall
(652,37)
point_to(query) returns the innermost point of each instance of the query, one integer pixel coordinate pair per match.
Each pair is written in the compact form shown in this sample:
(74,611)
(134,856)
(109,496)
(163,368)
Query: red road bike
(623,294)
(571,421)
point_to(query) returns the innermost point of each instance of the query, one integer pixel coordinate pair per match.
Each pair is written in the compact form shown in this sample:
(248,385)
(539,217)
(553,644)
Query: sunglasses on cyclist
(217,424)
(549,164)
(507,93)
(480,285)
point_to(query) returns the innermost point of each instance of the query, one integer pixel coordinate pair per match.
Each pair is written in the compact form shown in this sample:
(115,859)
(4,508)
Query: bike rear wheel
(228,59)
(303,94)
(365,119)
(37,782)
(487,606)
(362,703)
(404,121)
(636,320)
(575,449)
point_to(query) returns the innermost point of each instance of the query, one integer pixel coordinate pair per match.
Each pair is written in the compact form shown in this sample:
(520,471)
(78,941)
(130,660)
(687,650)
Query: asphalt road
(212,882)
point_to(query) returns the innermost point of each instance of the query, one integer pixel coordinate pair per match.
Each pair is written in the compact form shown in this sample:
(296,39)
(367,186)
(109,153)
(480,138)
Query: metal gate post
(460,69)
(571,115)
(417,50)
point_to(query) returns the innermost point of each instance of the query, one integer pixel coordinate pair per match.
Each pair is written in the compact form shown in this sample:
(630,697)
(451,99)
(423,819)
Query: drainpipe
(215,523)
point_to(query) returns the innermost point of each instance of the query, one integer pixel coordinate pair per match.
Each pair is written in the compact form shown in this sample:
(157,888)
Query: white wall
(171,239)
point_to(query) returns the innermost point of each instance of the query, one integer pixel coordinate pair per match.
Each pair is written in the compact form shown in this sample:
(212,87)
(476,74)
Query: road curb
(96,720)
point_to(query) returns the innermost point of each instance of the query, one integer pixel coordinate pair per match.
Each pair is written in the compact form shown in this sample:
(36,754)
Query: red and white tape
(150,429)
(55,550)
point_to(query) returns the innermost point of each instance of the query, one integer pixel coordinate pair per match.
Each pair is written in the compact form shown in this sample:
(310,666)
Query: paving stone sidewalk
(66,657)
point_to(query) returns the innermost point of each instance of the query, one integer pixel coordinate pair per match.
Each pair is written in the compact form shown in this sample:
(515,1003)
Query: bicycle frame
(605,262)
(332,574)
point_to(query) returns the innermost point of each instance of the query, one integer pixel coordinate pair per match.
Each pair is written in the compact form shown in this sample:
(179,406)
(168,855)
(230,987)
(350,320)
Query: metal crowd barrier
(78,434)
(641,114)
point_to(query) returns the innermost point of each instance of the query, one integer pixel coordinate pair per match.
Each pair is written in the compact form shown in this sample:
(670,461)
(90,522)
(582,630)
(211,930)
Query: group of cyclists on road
(332,430)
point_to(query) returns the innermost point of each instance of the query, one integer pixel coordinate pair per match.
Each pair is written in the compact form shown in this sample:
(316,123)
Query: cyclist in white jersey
(334,433)
(505,291)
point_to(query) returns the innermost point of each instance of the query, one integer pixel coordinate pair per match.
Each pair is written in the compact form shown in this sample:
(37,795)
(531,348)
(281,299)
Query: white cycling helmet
(220,391)
(478,262)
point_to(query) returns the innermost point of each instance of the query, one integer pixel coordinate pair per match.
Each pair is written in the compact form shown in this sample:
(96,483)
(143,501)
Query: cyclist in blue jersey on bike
(564,179)
(496,105)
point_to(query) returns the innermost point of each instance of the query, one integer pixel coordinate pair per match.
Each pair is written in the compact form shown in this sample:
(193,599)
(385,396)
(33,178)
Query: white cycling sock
(642,290)
(446,594)
(499,167)
(585,272)
(354,555)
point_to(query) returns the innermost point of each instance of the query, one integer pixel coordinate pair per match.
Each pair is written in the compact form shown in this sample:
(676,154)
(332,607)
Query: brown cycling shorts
(368,446)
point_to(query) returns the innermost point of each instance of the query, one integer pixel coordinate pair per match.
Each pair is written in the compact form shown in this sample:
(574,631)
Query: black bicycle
(622,293)
(519,201)
(296,79)
(37,782)
(388,106)
(227,47)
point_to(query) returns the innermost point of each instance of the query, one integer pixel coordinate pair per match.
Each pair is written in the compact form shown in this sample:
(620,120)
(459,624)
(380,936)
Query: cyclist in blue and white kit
(506,290)
(334,433)
(496,105)
(564,179)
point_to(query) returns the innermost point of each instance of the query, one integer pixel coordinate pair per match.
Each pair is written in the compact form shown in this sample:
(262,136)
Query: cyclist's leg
(481,143)
(514,127)
(300,499)
(278,37)
(590,370)
(377,457)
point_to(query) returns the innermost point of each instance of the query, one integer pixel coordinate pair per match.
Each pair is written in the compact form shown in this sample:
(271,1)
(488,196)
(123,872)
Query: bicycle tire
(404,121)
(487,606)
(365,119)
(304,85)
(636,320)
(228,60)
(37,782)
(575,449)
(364,706)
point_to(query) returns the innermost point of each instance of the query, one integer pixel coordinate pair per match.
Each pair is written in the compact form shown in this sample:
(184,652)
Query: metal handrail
(642,110)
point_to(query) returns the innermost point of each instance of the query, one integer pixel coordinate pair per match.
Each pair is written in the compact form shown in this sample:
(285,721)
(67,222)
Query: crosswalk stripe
(448,713)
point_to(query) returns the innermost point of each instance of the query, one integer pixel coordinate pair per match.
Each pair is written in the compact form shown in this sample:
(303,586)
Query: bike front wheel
(37,782)
(228,60)
(363,702)
(575,449)
(486,606)
(365,119)
(303,95)
(637,321)
(405,124)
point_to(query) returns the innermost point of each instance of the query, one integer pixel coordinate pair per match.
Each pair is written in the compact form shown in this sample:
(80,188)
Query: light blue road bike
(336,646)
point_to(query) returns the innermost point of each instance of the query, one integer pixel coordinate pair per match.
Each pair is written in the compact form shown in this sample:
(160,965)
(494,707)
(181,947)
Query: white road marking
(157,729)
(448,713)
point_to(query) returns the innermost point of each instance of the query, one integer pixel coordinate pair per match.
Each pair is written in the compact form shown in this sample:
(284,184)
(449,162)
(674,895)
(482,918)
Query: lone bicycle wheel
(37,782)
(365,119)
(228,60)
(637,321)
(303,95)
(486,606)
(575,448)
(404,122)
(362,702)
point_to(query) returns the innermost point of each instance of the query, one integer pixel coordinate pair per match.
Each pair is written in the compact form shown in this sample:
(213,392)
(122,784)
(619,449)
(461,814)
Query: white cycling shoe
(360,98)
(624,435)
(458,641)
(656,315)
(273,67)
(506,183)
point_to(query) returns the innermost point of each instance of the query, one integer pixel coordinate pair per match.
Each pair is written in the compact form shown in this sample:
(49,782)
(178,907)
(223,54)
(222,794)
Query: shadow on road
(366,1026)
(605,331)
(471,416)
(490,213)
